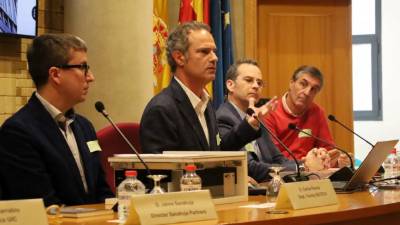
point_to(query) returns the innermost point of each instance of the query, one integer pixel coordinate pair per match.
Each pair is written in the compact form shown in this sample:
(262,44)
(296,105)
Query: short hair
(313,71)
(178,40)
(51,50)
(232,72)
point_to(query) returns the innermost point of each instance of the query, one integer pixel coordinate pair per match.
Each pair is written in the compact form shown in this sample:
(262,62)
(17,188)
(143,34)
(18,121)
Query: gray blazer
(228,118)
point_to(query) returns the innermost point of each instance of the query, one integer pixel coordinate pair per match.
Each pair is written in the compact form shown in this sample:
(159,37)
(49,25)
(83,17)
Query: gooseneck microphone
(101,109)
(290,177)
(294,127)
(333,118)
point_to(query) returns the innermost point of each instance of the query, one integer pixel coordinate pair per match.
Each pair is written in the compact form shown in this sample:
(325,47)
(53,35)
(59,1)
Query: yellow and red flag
(161,68)
(198,10)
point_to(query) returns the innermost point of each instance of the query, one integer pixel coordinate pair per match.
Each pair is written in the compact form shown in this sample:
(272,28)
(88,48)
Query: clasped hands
(318,159)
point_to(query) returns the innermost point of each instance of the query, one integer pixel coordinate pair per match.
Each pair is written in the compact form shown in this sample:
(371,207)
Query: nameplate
(23,212)
(173,207)
(306,194)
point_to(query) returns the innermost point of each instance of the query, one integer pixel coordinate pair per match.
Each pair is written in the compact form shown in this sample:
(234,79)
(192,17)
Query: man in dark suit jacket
(49,151)
(181,116)
(244,84)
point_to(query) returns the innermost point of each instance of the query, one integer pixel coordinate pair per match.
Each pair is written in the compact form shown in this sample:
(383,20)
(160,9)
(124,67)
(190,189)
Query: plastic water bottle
(128,187)
(391,166)
(190,181)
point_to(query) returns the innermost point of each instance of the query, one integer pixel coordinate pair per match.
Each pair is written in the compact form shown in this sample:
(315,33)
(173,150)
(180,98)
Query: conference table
(366,207)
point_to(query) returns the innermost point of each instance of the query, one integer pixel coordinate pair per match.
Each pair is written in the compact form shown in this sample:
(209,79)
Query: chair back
(112,143)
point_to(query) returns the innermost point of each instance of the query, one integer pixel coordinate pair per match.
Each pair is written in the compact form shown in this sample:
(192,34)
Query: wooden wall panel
(290,33)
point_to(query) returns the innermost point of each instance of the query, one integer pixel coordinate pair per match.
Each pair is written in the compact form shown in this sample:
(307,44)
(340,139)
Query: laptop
(367,168)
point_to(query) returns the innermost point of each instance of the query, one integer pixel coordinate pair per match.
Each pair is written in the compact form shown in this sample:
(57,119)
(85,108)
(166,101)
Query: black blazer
(169,122)
(228,118)
(36,161)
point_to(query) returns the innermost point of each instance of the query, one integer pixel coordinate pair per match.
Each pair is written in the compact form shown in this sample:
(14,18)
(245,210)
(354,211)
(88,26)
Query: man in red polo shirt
(297,107)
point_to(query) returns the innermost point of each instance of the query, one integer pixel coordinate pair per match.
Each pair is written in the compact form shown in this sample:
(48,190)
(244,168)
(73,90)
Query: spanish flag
(198,10)
(161,68)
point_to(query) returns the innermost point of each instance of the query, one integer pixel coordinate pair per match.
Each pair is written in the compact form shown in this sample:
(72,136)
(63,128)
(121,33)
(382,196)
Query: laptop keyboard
(339,184)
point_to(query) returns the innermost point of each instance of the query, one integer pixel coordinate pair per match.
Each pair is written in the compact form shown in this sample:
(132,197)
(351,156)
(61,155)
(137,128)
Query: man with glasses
(51,152)
(244,84)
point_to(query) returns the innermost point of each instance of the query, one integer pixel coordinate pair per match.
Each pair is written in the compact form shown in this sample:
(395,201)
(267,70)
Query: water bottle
(128,187)
(391,166)
(190,181)
(396,172)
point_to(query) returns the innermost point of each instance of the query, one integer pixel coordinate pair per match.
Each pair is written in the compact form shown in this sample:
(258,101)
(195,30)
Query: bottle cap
(190,168)
(130,173)
(393,151)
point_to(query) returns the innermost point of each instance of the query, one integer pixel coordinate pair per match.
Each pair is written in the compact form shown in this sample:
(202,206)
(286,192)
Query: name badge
(306,194)
(93,146)
(308,131)
(249,147)
(218,139)
(170,208)
(21,212)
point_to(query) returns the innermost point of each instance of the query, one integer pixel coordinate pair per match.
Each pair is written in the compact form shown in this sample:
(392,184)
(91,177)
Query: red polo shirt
(313,120)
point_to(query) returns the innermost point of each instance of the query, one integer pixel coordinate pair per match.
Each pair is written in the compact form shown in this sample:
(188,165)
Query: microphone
(294,127)
(333,118)
(290,177)
(101,109)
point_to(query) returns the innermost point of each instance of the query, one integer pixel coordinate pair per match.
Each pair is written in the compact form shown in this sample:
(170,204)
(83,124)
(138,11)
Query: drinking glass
(157,189)
(275,184)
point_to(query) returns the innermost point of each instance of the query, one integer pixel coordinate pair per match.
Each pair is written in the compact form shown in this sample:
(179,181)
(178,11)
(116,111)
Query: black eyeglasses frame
(85,67)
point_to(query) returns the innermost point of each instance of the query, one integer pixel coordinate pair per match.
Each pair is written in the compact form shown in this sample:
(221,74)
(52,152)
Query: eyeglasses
(250,80)
(85,67)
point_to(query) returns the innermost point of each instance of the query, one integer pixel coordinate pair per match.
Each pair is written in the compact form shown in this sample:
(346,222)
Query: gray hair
(313,71)
(178,40)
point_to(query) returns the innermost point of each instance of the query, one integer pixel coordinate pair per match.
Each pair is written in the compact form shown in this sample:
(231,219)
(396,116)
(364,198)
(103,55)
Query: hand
(317,159)
(344,160)
(339,159)
(260,111)
(252,182)
(334,154)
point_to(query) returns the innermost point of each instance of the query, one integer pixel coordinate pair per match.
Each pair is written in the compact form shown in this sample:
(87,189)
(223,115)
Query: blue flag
(221,30)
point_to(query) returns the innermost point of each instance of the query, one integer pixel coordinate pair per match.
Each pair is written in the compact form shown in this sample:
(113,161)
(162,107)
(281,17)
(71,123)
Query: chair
(112,143)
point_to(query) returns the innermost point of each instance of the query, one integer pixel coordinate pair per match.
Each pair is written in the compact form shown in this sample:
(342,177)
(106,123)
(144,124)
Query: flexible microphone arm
(289,178)
(294,127)
(332,118)
(100,108)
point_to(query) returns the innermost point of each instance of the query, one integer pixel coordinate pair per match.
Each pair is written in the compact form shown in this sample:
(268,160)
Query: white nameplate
(23,212)
(173,207)
(306,194)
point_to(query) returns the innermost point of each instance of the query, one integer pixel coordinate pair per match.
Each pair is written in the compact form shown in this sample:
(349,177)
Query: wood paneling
(290,33)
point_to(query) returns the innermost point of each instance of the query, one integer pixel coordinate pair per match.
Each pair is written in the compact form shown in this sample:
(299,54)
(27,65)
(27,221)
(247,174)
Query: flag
(191,10)
(161,68)
(222,32)
(196,10)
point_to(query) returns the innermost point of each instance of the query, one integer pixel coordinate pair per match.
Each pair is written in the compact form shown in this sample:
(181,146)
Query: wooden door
(284,34)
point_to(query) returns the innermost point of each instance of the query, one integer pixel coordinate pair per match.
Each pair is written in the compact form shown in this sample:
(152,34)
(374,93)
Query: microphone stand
(294,127)
(333,118)
(344,173)
(290,177)
(100,108)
